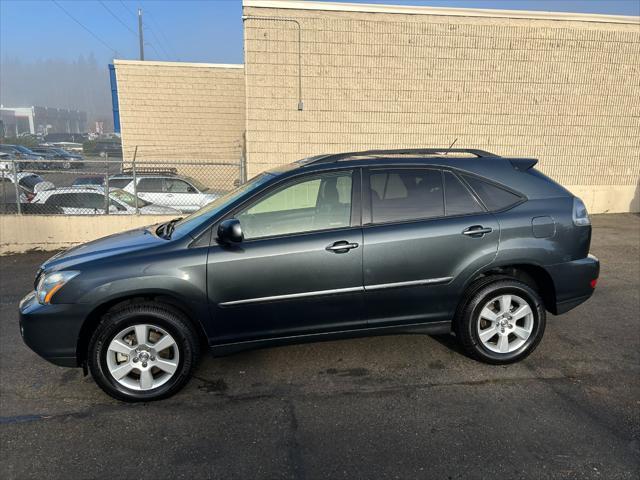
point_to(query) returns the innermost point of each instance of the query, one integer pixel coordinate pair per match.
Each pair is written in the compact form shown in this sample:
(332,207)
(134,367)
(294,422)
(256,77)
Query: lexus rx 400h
(333,246)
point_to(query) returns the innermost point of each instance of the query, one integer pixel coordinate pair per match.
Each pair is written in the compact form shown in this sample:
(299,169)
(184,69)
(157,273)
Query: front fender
(180,274)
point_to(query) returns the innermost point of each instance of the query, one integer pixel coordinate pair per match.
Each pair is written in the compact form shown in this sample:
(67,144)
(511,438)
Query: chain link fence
(159,183)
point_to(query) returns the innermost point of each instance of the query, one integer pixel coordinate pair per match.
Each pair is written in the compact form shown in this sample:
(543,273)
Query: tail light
(30,196)
(593,283)
(580,214)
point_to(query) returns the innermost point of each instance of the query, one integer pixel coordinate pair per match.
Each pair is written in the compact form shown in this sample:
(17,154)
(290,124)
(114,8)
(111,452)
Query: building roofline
(456,12)
(177,64)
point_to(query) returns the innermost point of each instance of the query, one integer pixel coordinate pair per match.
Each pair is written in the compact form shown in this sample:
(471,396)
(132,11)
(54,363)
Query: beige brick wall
(562,90)
(183,113)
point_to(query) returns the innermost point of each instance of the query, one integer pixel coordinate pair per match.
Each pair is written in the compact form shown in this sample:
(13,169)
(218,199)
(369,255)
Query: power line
(85,28)
(154,48)
(125,6)
(160,31)
(166,55)
(117,18)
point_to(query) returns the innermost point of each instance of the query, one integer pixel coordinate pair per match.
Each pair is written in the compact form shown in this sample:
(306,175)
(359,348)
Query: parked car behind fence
(178,187)
(92,199)
(166,187)
(60,157)
(22,155)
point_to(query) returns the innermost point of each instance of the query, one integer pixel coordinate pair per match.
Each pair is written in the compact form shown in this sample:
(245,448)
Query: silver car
(183,193)
(90,200)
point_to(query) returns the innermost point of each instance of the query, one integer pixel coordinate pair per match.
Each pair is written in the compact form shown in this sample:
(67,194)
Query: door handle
(341,247)
(477,231)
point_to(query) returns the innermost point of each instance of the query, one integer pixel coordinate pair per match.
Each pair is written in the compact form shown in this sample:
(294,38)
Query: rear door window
(150,185)
(405,194)
(62,200)
(493,197)
(90,200)
(458,198)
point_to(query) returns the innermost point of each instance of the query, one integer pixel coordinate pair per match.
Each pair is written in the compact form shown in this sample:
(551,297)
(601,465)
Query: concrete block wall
(563,89)
(24,233)
(183,112)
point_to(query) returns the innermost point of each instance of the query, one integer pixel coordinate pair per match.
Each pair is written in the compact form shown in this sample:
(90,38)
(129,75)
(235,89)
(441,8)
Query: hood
(116,244)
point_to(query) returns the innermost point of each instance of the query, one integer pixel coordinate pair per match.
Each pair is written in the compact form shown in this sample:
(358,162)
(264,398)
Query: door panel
(285,286)
(433,254)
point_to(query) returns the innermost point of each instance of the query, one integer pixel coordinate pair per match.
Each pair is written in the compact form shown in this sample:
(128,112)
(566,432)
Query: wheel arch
(92,320)
(533,275)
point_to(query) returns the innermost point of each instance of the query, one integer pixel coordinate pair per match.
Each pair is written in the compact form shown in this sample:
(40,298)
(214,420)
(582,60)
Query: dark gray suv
(333,246)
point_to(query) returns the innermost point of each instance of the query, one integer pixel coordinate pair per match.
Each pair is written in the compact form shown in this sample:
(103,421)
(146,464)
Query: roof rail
(328,158)
(151,170)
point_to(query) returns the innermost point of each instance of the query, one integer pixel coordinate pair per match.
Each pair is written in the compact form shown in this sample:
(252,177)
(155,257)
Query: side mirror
(230,231)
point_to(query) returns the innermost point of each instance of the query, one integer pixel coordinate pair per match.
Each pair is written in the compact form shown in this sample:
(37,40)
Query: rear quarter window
(493,197)
(458,198)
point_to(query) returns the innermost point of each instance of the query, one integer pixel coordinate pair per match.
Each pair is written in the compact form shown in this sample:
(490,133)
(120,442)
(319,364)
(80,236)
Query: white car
(182,193)
(90,200)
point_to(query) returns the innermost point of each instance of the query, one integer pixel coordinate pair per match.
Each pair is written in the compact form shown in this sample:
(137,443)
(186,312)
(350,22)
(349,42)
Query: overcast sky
(199,31)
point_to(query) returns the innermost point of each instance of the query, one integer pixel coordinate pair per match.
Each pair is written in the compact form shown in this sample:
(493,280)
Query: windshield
(128,198)
(223,201)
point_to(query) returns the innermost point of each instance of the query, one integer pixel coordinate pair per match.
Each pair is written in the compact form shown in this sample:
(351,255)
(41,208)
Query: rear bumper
(573,282)
(52,331)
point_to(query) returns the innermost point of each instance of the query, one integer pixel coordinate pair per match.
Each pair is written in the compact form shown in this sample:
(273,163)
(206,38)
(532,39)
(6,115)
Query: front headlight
(50,283)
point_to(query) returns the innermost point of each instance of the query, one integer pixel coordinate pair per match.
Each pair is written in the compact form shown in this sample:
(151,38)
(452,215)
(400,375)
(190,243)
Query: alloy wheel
(143,357)
(505,323)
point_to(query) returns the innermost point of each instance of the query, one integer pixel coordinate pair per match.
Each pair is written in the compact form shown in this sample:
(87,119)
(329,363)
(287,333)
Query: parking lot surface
(408,406)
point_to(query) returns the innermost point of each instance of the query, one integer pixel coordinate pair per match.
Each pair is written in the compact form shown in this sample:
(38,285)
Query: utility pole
(140,34)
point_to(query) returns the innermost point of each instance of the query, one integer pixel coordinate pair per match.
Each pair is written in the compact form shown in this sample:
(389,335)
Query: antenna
(452,144)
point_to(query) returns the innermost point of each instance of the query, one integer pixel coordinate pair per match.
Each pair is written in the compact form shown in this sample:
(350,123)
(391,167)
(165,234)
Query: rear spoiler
(523,164)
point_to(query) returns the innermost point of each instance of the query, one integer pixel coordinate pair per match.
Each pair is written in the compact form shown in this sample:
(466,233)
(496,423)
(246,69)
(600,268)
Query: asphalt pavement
(407,406)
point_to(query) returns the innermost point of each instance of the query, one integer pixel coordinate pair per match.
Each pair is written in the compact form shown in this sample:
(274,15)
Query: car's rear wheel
(501,321)
(143,352)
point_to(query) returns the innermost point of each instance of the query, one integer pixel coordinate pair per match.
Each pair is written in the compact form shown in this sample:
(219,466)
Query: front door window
(319,203)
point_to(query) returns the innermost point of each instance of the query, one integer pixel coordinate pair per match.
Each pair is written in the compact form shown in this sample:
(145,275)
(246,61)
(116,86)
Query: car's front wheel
(143,352)
(502,321)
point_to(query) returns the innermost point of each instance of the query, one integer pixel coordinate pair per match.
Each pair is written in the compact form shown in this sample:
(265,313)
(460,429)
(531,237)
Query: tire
(484,309)
(147,374)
